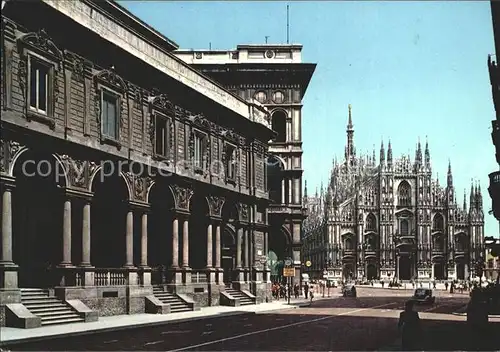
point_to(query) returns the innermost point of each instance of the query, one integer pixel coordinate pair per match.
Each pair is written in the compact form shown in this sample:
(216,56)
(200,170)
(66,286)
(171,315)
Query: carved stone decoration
(138,96)
(182,197)
(78,172)
(206,157)
(162,103)
(243,211)
(111,78)
(8,150)
(77,65)
(139,186)
(215,204)
(108,78)
(43,43)
(22,75)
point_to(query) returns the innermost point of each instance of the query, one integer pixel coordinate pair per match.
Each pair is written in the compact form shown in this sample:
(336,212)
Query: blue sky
(409,69)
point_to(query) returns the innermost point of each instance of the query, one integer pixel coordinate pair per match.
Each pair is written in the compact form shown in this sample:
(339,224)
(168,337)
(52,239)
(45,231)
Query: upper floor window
(39,86)
(278,97)
(371,223)
(438,223)
(199,149)
(261,96)
(162,136)
(110,103)
(404,194)
(279,125)
(404,227)
(230,162)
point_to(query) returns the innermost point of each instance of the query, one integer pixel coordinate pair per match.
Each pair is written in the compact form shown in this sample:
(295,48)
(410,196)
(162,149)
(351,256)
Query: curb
(150,324)
(119,328)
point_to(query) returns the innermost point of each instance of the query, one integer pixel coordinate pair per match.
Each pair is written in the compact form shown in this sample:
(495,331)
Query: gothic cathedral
(391,220)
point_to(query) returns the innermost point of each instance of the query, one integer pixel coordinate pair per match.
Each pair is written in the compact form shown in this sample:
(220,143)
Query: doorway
(371,271)
(439,272)
(228,257)
(404,268)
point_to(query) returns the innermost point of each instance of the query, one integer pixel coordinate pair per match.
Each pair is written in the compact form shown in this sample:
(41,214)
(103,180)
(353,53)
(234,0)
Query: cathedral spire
(382,153)
(389,153)
(305,189)
(418,153)
(472,202)
(374,159)
(465,199)
(450,175)
(350,153)
(427,153)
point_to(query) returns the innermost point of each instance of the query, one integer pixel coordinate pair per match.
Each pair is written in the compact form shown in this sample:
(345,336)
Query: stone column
(175,243)
(218,255)
(66,261)
(6,226)
(129,240)
(186,271)
(209,246)
(144,240)
(88,276)
(8,270)
(283,195)
(246,265)
(239,239)
(86,235)
(185,244)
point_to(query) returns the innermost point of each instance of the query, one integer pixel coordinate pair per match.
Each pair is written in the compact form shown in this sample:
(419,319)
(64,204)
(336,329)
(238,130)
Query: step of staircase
(244,299)
(177,305)
(50,309)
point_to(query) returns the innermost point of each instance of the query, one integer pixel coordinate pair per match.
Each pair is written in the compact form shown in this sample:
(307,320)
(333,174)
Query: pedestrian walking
(306,290)
(409,325)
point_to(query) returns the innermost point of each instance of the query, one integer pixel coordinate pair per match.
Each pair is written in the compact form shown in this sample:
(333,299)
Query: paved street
(368,322)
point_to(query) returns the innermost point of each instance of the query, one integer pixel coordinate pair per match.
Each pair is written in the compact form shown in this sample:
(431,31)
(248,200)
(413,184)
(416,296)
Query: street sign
(288,272)
(308,263)
(288,262)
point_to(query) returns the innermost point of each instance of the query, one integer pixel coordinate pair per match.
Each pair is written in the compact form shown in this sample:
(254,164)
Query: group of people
(281,290)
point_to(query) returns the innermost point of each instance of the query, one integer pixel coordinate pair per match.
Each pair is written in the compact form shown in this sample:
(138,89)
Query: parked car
(423,296)
(349,290)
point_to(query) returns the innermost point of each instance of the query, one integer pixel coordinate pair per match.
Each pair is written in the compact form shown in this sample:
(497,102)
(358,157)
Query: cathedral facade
(391,220)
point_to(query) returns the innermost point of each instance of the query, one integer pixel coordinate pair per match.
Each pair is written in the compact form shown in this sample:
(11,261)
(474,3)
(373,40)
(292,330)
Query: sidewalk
(10,336)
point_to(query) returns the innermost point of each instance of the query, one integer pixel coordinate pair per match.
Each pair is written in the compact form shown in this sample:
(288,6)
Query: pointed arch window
(349,244)
(371,223)
(404,194)
(404,227)
(438,223)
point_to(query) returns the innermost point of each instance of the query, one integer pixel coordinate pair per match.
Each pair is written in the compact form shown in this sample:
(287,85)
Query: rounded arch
(100,170)
(229,211)
(38,157)
(275,166)
(113,78)
(404,194)
(198,223)
(278,123)
(37,217)
(108,214)
(438,222)
(35,38)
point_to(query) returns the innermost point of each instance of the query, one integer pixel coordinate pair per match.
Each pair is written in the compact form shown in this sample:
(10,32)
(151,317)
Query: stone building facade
(123,168)
(494,71)
(274,76)
(391,220)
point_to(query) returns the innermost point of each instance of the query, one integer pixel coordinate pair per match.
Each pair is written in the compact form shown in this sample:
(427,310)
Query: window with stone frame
(404,229)
(163,136)
(230,162)
(199,149)
(40,86)
(404,194)
(39,63)
(110,114)
(110,92)
(371,223)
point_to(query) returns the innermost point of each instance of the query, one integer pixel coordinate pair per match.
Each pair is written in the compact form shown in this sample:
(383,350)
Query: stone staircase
(244,299)
(177,305)
(50,309)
